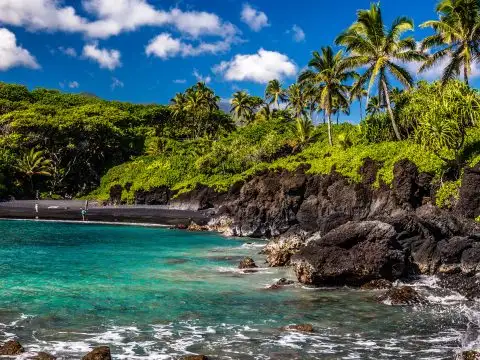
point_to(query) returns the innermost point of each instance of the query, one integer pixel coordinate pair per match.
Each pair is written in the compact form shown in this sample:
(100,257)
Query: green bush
(448,194)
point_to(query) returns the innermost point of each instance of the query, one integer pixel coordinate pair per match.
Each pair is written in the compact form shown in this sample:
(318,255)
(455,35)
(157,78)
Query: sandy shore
(72,210)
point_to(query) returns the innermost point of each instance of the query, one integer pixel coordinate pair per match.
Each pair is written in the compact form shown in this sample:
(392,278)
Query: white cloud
(111,17)
(165,46)
(260,67)
(73,85)
(12,55)
(107,59)
(200,78)
(254,18)
(116,83)
(68,51)
(298,34)
(180,81)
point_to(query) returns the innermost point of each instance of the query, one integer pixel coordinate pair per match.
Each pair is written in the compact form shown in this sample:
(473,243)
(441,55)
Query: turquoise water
(155,293)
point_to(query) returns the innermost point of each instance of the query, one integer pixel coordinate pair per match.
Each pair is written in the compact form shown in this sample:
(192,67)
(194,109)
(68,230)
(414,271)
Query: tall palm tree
(33,163)
(275,94)
(242,106)
(371,45)
(297,101)
(177,104)
(457,37)
(340,107)
(328,72)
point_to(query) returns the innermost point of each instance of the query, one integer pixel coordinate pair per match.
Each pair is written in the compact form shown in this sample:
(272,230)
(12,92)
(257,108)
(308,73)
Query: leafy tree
(374,107)
(328,74)
(303,129)
(33,163)
(275,94)
(242,106)
(370,44)
(297,101)
(457,38)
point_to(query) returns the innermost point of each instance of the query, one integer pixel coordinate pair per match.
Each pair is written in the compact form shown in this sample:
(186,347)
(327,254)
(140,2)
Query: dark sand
(71,210)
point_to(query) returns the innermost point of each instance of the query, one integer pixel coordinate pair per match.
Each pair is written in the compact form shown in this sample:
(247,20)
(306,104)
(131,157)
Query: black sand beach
(71,210)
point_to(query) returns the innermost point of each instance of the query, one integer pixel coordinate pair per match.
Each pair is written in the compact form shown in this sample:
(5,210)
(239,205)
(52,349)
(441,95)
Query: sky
(145,51)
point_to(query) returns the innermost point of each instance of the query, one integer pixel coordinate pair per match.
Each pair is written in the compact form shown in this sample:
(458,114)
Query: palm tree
(297,101)
(177,104)
(33,163)
(340,107)
(373,106)
(274,93)
(242,106)
(379,49)
(457,37)
(303,129)
(358,94)
(328,73)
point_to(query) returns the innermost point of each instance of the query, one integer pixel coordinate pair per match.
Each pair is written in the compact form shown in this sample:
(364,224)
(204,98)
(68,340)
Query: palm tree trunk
(330,128)
(361,111)
(465,73)
(390,111)
(338,116)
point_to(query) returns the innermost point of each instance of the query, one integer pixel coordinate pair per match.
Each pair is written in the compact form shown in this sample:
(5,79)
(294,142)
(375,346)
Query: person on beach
(84,214)
(36,210)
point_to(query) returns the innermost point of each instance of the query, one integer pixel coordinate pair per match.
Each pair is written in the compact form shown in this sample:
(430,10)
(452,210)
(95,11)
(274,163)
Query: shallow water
(153,293)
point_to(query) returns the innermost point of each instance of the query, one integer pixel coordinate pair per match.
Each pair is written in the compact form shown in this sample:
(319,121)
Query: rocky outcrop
(195,357)
(280,250)
(307,328)
(404,295)
(353,254)
(99,353)
(377,285)
(11,347)
(469,355)
(157,196)
(469,196)
(247,263)
(43,356)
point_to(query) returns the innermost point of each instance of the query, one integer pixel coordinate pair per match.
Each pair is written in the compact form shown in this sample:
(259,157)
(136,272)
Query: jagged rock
(466,285)
(469,195)
(280,283)
(156,196)
(11,347)
(247,263)
(195,357)
(116,194)
(308,328)
(404,295)
(470,355)
(280,250)
(43,356)
(196,227)
(377,284)
(353,254)
(222,224)
(99,353)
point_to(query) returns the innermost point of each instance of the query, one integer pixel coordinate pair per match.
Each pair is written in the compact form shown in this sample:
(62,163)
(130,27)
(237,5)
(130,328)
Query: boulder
(195,357)
(281,283)
(469,195)
(466,285)
(99,353)
(403,295)
(280,250)
(377,285)
(353,254)
(470,355)
(195,227)
(43,356)
(308,328)
(247,263)
(11,347)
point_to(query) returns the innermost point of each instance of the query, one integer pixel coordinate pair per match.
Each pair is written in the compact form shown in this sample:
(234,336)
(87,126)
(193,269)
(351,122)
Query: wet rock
(247,263)
(469,195)
(99,353)
(11,347)
(403,295)
(195,227)
(43,356)
(222,224)
(281,283)
(308,328)
(377,285)
(470,355)
(156,196)
(466,285)
(353,254)
(195,357)
(280,250)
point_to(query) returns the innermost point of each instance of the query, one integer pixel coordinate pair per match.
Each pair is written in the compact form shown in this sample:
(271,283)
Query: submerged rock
(195,357)
(11,347)
(470,355)
(308,328)
(281,283)
(247,263)
(403,295)
(466,285)
(43,356)
(99,353)
(377,284)
(353,254)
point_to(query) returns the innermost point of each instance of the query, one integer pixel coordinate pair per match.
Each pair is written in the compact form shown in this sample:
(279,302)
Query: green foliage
(376,128)
(448,194)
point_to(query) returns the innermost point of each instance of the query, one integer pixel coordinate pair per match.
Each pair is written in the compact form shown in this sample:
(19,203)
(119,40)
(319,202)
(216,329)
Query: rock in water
(353,254)
(195,357)
(404,295)
(12,347)
(301,328)
(377,284)
(99,353)
(470,355)
(43,356)
(247,263)
(279,251)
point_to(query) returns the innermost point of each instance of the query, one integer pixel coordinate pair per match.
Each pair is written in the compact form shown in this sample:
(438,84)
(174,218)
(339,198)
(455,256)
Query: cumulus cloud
(12,55)
(165,46)
(200,78)
(110,17)
(116,83)
(73,85)
(260,67)
(68,51)
(254,18)
(298,34)
(107,59)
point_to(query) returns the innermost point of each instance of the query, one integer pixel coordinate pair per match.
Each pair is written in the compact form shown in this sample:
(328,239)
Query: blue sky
(145,51)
